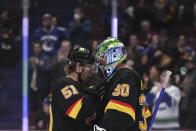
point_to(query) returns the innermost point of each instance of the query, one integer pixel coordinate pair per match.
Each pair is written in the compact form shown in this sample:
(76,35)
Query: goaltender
(123,107)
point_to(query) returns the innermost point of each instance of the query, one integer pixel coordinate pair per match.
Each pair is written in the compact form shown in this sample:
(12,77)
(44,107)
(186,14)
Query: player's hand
(98,89)
(145,78)
(158,84)
(32,61)
(159,87)
(177,78)
(40,124)
(158,53)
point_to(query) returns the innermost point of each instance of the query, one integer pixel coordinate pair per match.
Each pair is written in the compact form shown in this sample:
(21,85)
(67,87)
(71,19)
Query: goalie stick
(168,73)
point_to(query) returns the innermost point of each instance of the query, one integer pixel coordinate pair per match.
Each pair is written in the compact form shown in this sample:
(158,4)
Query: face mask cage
(94,68)
(108,61)
(113,55)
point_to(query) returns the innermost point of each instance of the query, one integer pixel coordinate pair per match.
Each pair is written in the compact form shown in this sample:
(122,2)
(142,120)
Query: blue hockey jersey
(50,40)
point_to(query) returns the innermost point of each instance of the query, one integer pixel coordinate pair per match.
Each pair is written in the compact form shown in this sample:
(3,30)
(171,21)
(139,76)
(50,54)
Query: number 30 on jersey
(121,90)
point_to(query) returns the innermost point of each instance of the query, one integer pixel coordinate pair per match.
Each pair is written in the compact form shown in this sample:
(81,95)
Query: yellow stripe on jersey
(142,87)
(51,119)
(75,108)
(147,112)
(122,107)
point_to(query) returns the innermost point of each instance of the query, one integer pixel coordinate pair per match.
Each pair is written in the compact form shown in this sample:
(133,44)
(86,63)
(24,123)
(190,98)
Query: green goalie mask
(109,54)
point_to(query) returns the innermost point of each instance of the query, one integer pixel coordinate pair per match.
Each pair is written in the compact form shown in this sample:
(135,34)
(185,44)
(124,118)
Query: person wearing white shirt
(168,113)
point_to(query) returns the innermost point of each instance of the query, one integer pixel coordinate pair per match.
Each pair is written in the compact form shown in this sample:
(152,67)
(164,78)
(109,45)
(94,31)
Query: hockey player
(70,106)
(122,108)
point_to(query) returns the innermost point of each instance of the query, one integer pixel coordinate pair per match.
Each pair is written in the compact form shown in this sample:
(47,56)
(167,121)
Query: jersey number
(121,90)
(68,91)
(142,124)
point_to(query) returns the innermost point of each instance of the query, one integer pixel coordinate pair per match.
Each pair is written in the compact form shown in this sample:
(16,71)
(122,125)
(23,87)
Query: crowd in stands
(9,54)
(159,35)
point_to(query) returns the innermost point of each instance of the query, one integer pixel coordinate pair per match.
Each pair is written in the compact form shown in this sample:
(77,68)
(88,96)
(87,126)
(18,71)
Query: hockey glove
(98,89)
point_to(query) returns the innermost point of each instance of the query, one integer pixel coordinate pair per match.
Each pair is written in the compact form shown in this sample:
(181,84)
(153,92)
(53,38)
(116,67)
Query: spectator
(133,40)
(142,11)
(163,39)
(180,53)
(59,61)
(185,13)
(142,65)
(162,55)
(134,43)
(5,22)
(56,22)
(151,77)
(152,46)
(80,30)
(42,119)
(9,58)
(164,13)
(94,46)
(168,112)
(189,97)
(131,57)
(138,22)
(38,77)
(146,32)
(76,46)
(124,34)
(135,52)
(127,14)
(50,36)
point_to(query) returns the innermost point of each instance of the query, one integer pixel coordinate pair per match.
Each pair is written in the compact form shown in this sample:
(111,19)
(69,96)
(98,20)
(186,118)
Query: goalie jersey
(70,106)
(123,107)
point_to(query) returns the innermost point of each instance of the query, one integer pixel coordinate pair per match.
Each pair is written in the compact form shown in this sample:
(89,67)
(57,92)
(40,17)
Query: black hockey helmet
(82,55)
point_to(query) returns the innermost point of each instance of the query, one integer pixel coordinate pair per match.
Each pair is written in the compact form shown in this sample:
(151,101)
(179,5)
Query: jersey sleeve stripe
(122,107)
(51,119)
(147,112)
(75,108)
(142,86)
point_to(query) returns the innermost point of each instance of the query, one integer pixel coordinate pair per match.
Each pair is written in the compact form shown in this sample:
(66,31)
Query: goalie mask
(109,54)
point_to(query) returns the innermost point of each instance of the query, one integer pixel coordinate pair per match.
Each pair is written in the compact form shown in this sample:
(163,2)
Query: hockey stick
(168,73)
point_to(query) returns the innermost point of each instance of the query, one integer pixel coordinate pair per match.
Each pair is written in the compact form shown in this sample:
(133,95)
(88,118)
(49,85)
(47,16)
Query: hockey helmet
(109,54)
(82,55)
